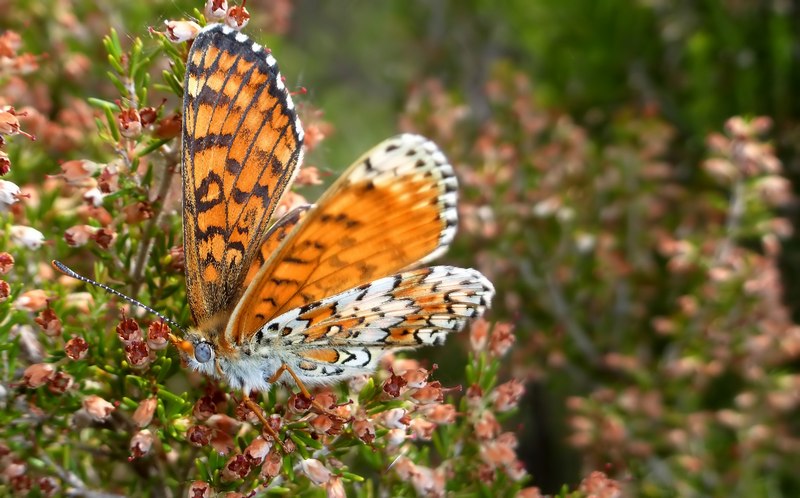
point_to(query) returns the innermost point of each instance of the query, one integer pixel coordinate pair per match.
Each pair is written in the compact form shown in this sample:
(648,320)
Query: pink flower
(141,443)
(335,489)
(431,393)
(38,375)
(479,334)
(501,451)
(9,194)
(598,485)
(506,396)
(98,408)
(396,418)
(158,335)
(79,235)
(426,481)
(395,437)
(440,414)
(79,172)
(130,123)
(237,467)
(257,450)
(502,339)
(237,17)
(26,237)
(6,263)
(32,300)
(60,383)
(216,9)
(181,31)
(315,471)
(487,427)
(271,466)
(144,412)
(421,428)
(416,378)
(49,322)
(199,489)
(364,429)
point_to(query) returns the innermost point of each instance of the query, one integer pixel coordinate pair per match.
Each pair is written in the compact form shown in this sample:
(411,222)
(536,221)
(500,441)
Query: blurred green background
(580,130)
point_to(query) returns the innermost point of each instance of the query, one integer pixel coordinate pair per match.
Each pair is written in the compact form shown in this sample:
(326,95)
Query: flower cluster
(658,296)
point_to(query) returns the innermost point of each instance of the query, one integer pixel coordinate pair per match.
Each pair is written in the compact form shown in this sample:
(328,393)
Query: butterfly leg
(256,409)
(303,390)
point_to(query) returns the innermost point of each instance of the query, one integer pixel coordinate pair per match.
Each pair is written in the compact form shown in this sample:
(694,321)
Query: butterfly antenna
(58,265)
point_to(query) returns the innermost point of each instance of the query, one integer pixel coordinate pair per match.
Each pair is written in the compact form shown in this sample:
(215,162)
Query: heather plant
(96,402)
(651,288)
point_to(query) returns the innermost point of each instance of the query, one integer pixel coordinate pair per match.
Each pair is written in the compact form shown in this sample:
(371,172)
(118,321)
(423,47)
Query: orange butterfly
(322,293)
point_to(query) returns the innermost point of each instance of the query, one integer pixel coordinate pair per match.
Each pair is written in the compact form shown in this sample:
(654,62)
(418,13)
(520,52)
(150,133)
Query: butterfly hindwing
(393,209)
(275,235)
(242,143)
(345,334)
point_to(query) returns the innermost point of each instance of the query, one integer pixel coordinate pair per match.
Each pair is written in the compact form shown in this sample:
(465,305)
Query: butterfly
(319,295)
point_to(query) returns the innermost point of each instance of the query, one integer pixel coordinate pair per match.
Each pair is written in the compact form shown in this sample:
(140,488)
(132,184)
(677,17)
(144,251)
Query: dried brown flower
(128,331)
(76,348)
(237,17)
(199,489)
(137,353)
(60,383)
(141,443)
(158,335)
(237,467)
(49,322)
(199,435)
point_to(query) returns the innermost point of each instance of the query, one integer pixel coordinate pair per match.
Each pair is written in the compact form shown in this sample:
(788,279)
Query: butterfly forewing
(242,143)
(393,209)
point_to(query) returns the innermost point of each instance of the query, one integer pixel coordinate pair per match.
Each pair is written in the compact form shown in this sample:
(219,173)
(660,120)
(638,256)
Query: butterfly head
(198,351)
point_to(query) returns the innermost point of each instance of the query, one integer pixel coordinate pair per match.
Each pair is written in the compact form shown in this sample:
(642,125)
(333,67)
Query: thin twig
(146,245)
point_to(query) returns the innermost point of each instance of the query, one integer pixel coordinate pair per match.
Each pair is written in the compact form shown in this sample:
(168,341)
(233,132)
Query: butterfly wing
(275,235)
(242,143)
(346,334)
(392,209)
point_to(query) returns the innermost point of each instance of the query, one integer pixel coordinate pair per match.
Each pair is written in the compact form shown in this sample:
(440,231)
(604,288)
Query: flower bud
(315,471)
(97,408)
(144,412)
(26,237)
(181,31)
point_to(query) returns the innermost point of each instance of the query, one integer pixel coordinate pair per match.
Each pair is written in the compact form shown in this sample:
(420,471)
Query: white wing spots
(414,156)
(256,47)
(271,60)
(225,29)
(241,37)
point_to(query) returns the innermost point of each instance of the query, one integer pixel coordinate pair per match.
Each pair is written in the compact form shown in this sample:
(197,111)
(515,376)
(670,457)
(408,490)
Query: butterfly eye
(202,352)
